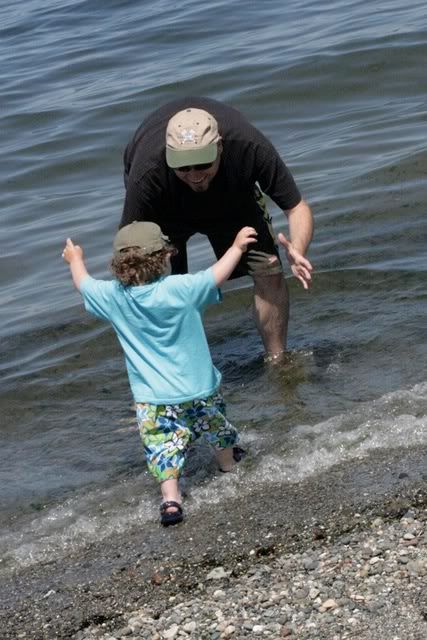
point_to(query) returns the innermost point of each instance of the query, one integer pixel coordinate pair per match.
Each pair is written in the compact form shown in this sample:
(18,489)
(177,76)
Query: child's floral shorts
(167,431)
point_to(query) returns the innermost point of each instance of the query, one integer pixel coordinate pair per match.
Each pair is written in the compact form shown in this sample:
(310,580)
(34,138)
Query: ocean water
(339,87)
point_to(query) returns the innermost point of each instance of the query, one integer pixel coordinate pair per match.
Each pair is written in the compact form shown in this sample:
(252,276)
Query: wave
(278,455)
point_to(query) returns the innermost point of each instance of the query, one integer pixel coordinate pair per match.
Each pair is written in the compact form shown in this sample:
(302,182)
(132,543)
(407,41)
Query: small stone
(328,605)
(218,573)
(275,627)
(377,523)
(171,632)
(358,597)
(157,578)
(310,564)
(190,627)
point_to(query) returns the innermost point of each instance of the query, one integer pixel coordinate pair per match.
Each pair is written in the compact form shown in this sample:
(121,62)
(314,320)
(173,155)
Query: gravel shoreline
(367,585)
(316,560)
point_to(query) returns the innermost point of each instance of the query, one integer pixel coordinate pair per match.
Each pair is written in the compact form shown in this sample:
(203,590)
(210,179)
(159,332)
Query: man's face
(199,177)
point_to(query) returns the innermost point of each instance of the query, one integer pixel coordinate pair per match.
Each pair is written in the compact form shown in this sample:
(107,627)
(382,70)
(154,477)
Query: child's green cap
(146,236)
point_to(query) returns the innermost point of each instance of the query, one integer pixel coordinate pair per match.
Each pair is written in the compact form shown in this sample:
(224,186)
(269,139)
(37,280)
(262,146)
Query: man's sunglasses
(196,167)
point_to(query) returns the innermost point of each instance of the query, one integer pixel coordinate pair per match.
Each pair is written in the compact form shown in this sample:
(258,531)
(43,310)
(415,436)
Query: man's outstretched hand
(300,266)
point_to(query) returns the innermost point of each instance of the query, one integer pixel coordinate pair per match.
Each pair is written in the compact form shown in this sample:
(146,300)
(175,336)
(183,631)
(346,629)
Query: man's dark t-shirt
(155,193)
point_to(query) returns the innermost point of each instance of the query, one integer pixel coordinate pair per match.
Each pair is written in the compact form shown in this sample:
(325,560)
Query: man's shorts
(256,261)
(168,430)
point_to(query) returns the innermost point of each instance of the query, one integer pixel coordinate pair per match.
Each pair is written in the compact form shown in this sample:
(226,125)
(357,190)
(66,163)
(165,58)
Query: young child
(158,320)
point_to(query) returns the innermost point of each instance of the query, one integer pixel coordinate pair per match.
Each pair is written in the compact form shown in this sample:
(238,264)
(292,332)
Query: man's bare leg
(271,312)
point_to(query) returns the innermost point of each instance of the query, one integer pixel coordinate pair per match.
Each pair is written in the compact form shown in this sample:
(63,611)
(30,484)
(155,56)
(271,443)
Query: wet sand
(104,582)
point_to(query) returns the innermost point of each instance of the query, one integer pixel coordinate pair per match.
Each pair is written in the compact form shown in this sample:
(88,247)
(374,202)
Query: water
(340,89)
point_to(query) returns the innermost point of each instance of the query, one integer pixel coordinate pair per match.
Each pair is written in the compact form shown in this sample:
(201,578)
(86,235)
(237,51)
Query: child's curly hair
(132,267)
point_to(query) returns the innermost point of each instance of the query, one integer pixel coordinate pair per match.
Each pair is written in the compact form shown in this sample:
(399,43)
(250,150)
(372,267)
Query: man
(197,165)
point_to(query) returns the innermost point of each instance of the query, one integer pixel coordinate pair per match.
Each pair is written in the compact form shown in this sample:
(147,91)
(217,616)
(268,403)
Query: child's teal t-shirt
(160,328)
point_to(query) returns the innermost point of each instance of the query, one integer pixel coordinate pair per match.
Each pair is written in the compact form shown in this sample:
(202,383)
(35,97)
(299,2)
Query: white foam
(397,420)
(81,521)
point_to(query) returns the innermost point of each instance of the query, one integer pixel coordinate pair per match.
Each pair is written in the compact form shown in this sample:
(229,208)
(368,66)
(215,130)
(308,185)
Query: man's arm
(144,199)
(300,220)
(277,182)
(132,207)
(73,254)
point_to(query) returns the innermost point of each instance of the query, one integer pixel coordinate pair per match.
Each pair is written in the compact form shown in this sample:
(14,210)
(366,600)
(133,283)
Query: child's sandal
(238,454)
(168,518)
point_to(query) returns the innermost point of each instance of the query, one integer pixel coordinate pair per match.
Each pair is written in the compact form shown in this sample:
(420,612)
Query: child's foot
(170,513)
(238,454)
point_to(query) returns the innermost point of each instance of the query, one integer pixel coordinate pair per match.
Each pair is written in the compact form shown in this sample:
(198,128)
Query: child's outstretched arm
(223,269)
(73,254)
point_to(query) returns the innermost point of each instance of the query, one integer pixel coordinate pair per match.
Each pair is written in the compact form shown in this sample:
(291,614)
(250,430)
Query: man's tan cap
(191,138)
(146,236)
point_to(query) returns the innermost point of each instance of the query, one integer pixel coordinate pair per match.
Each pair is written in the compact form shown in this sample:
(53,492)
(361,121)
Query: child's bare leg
(170,492)
(225,458)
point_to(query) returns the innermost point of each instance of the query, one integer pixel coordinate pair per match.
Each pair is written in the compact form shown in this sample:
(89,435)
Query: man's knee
(272,284)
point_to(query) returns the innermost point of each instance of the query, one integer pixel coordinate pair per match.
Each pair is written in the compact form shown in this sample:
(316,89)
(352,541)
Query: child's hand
(245,237)
(72,251)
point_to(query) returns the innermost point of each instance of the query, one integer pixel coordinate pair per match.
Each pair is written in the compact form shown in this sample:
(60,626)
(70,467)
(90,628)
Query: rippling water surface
(340,89)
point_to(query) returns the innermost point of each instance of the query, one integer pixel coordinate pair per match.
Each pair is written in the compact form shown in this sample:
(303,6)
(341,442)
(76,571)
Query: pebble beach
(366,585)
(316,560)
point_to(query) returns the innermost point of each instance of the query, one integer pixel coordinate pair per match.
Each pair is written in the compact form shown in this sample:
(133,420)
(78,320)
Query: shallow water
(340,91)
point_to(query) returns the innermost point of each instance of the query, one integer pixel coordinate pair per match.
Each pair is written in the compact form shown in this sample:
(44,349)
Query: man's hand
(72,251)
(300,266)
(245,237)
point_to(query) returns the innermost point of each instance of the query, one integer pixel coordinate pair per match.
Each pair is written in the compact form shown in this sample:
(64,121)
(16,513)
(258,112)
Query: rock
(218,574)
(313,593)
(171,632)
(377,523)
(310,564)
(328,605)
